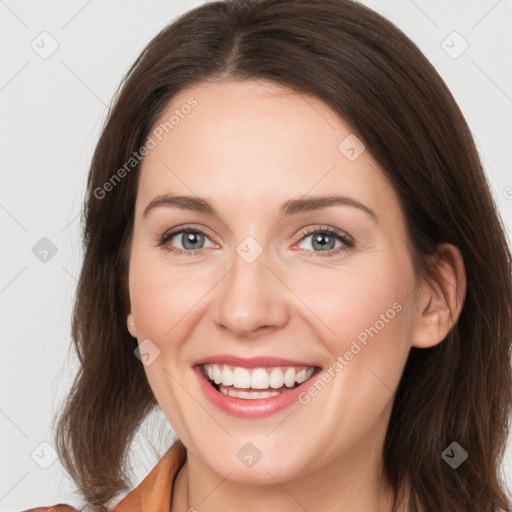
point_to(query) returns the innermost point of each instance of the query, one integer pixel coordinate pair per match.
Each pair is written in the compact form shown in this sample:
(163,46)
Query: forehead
(257,142)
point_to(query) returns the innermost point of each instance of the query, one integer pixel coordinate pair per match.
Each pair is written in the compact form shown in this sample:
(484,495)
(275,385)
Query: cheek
(357,304)
(366,313)
(161,296)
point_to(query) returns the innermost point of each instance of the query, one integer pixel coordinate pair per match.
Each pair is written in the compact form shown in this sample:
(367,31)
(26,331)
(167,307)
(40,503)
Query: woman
(291,249)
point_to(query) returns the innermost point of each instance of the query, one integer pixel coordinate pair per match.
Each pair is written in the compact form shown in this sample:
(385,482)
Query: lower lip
(251,408)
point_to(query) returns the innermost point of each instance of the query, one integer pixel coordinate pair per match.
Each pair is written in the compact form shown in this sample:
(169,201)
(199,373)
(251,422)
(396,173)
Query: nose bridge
(251,296)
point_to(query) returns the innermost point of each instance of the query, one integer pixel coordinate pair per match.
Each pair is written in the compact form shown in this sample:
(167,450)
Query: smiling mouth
(256,383)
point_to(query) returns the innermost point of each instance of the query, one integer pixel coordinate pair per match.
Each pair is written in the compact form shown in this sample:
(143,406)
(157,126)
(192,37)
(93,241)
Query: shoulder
(55,508)
(154,491)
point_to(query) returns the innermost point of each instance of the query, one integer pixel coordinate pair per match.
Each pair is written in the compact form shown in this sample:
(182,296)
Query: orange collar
(154,493)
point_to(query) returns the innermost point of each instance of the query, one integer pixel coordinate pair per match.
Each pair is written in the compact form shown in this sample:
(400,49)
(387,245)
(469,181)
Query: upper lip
(251,362)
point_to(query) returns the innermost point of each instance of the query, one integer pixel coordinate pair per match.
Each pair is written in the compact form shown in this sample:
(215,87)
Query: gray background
(52,109)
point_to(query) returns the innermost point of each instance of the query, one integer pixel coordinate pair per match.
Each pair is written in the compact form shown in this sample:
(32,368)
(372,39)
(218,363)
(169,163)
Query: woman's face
(249,271)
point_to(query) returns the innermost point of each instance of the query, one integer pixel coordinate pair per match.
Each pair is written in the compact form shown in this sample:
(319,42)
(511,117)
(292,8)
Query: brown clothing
(153,494)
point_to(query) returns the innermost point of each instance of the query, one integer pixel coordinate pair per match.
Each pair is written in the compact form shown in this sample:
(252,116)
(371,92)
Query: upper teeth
(257,378)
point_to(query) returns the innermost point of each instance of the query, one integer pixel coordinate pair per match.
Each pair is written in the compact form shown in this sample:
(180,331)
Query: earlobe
(130,323)
(441,298)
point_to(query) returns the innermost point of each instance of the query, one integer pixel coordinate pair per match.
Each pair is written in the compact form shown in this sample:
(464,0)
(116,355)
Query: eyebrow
(290,207)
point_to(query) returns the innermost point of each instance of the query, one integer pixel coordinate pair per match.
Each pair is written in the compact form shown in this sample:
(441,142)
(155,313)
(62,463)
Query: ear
(130,323)
(441,297)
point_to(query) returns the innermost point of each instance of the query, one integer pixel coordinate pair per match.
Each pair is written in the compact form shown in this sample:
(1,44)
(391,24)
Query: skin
(248,147)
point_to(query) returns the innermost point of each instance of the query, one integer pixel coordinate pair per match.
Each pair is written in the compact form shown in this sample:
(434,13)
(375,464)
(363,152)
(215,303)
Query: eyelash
(340,235)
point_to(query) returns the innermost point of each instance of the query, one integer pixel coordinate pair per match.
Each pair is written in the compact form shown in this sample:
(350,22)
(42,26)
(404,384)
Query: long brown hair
(380,83)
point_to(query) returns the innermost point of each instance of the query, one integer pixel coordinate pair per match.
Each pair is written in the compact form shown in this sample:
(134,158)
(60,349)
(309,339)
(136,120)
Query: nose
(251,299)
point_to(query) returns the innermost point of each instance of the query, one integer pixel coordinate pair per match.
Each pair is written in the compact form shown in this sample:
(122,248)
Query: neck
(353,482)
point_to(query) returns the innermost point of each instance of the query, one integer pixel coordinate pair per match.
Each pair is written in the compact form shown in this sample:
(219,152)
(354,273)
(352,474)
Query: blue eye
(323,243)
(192,241)
(324,239)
